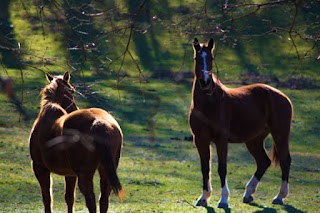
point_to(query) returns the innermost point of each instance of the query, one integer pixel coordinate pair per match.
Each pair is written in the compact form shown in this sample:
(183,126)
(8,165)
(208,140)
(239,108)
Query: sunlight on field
(145,83)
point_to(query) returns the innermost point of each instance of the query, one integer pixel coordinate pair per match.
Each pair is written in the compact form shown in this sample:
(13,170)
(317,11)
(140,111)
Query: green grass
(159,170)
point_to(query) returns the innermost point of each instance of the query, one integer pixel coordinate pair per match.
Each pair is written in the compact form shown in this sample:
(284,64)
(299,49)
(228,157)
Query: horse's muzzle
(205,84)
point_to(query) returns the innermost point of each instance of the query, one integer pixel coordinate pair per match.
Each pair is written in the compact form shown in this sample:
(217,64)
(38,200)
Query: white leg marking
(224,194)
(209,186)
(251,186)
(284,190)
(205,196)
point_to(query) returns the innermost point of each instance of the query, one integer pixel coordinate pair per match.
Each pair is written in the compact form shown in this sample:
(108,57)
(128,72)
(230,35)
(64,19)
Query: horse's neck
(50,113)
(203,99)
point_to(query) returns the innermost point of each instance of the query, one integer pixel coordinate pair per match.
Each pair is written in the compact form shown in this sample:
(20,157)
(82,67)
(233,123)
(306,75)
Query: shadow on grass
(211,210)
(265,209)
(290,208)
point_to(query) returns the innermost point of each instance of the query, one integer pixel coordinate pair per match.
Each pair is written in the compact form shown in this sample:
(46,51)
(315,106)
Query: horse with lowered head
(237,115)
(74,143)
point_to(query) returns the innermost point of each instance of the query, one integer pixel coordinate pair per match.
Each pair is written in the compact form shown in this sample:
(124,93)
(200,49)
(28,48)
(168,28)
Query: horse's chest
(207,123)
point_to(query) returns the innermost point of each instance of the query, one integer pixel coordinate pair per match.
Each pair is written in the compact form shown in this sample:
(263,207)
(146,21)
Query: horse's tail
(107,159)
(275,154)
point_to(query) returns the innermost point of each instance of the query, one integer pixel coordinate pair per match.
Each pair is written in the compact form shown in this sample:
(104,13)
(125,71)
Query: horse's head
(203,56)
(60,91)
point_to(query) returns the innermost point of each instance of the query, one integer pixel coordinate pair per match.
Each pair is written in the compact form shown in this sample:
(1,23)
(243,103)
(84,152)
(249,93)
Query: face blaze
(205,70)
(203,55)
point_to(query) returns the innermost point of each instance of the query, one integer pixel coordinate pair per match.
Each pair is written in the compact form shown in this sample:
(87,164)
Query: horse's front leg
(222,152)
(204,150)
(43,176)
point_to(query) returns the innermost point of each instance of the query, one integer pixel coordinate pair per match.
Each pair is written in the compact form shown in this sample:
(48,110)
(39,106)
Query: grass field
(159,169)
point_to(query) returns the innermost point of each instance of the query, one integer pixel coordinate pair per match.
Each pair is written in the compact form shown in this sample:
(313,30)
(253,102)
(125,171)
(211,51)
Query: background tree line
(151,38)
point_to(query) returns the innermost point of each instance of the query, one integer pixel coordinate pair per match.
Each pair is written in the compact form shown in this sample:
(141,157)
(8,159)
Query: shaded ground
(297,81)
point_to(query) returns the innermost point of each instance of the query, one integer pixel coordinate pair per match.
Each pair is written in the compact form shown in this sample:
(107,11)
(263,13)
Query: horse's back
(95,124)
(263,93)
(85,119)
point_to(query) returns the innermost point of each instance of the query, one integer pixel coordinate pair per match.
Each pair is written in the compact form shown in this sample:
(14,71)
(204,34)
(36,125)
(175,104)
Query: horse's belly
(62,171)
(59,167)
(57,162)
(71,161)
(247,132)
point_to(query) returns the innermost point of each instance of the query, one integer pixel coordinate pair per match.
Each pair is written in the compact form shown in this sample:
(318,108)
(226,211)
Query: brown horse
(237,115)
(74,143)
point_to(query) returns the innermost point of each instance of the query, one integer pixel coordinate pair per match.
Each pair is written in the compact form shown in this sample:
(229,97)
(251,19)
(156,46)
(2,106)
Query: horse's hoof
(247,199)
(202,202)
(223,206)
(278,201)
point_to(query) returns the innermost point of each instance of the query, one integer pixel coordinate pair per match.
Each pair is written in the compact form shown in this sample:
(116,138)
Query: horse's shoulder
(34,130)
(249,90)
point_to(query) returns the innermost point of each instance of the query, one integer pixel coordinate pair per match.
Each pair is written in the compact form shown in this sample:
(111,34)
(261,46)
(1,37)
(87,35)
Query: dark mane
(59,92)
(48,93)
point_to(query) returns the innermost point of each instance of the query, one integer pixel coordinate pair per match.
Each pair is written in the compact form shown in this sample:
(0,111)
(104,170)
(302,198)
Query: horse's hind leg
(70,183)
(86,187)
(43,176)
(282,153)
(257,150)
(105,190)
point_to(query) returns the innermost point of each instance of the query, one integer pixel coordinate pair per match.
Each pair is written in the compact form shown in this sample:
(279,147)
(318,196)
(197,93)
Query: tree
(112,37)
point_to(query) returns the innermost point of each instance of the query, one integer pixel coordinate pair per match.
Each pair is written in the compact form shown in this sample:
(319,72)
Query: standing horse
(74,143)
(237,115)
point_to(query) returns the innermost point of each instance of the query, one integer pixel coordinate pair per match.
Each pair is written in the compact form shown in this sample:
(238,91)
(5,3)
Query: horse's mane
(48,93)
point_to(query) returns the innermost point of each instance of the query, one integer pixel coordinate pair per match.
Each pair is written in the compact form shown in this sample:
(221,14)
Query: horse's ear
(66,76)
(196,45)
(49,77)
(211,45)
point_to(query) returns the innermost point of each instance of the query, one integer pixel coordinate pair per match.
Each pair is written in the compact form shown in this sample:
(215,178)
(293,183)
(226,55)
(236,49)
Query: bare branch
(290,31)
